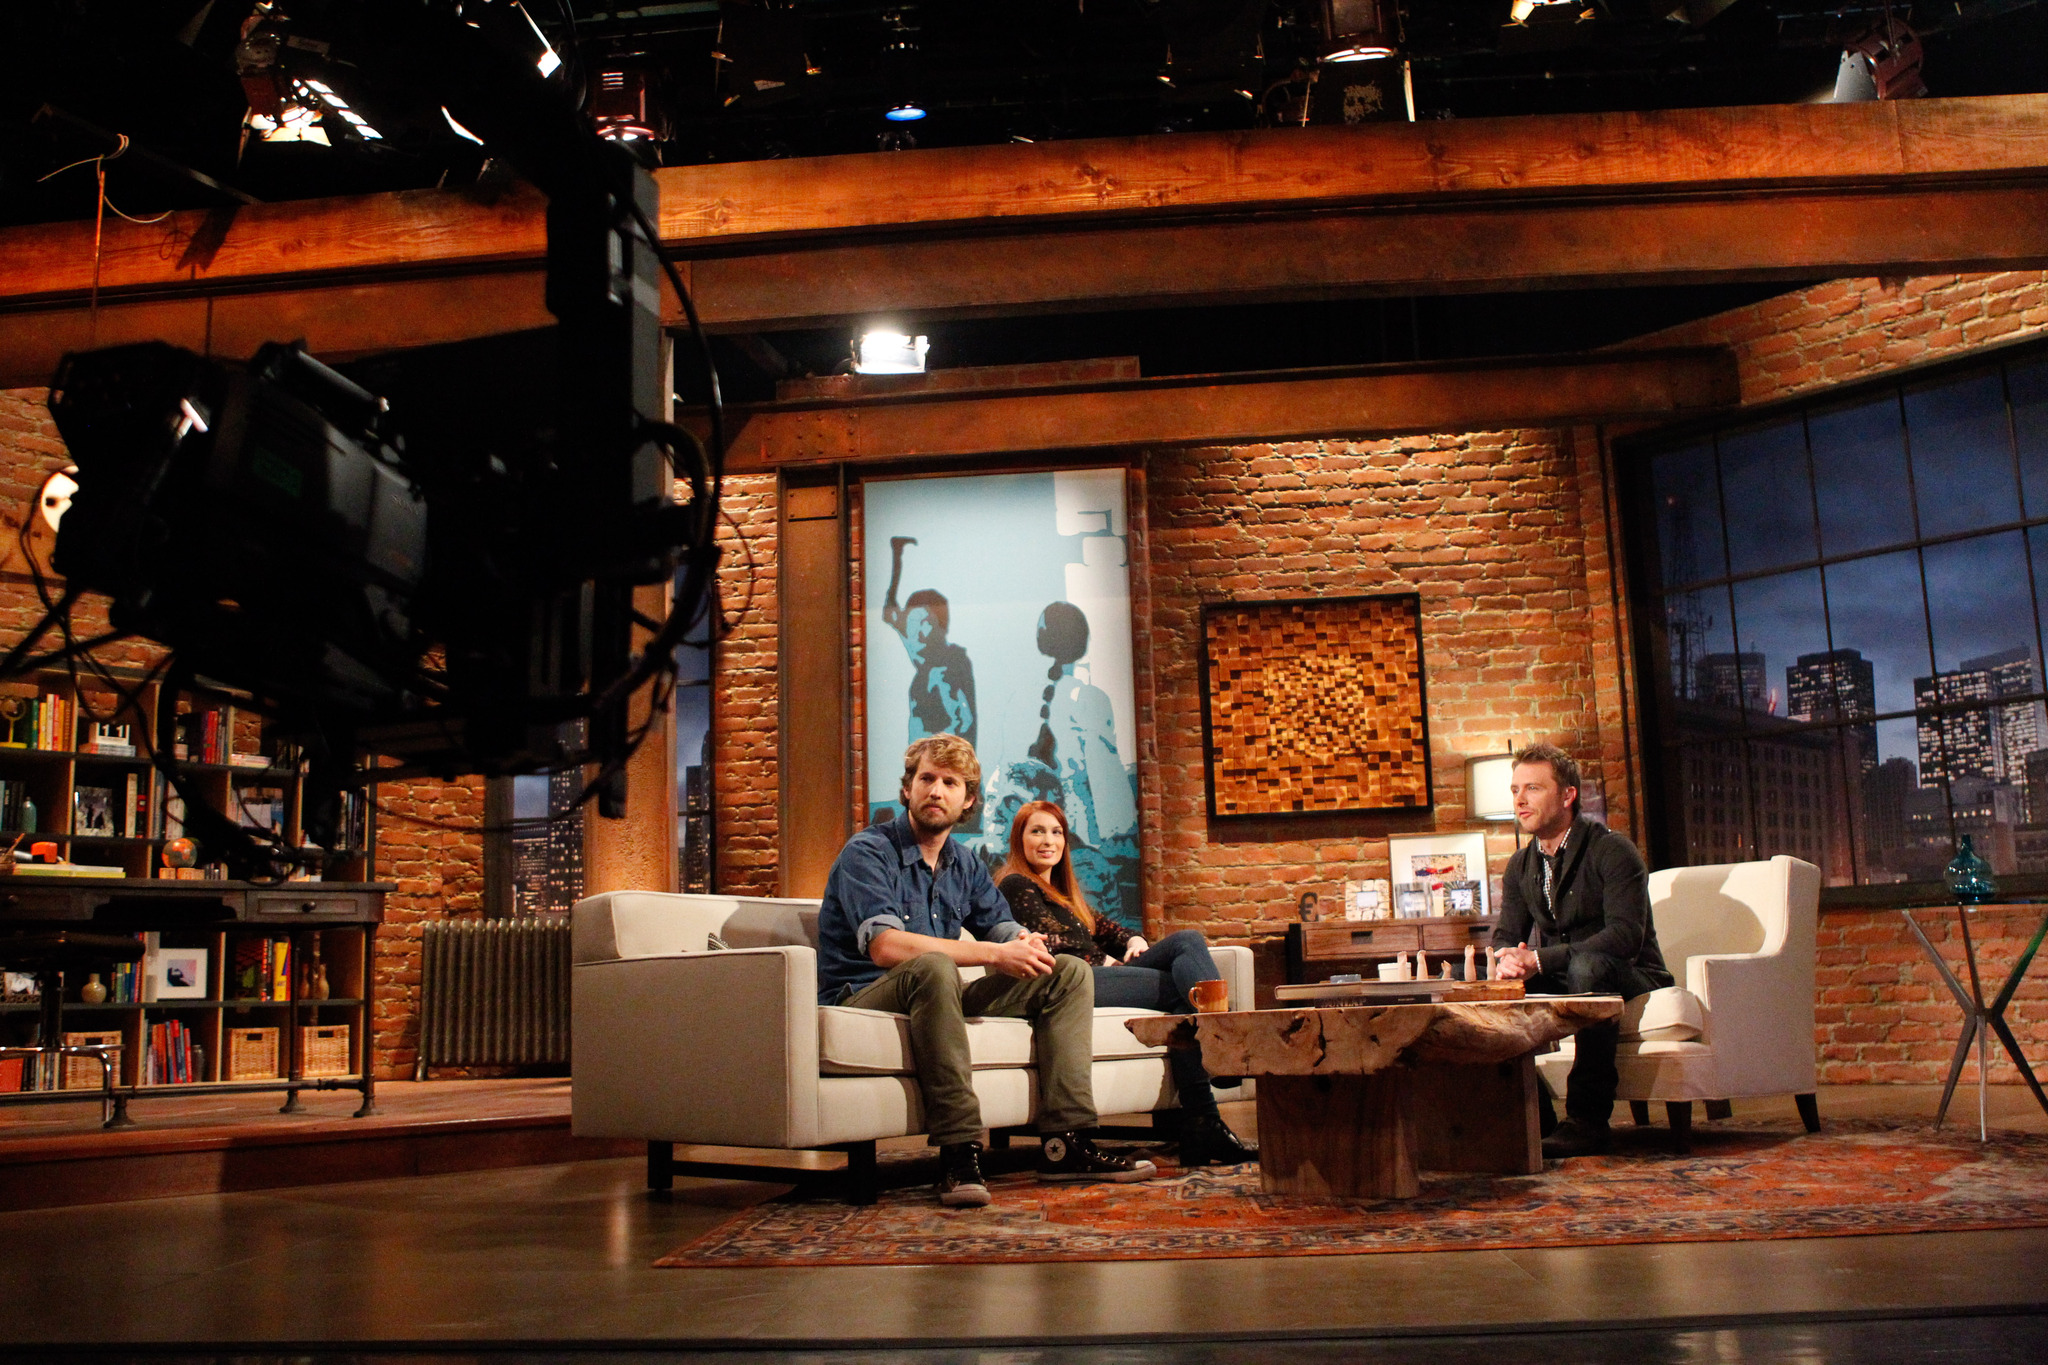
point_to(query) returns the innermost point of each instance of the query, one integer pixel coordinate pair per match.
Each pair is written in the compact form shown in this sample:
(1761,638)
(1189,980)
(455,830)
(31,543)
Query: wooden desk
(212,914)
(1357,1100)
(1316,950)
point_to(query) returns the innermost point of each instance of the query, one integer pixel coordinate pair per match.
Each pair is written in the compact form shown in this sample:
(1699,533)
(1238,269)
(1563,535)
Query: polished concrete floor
(558,1258)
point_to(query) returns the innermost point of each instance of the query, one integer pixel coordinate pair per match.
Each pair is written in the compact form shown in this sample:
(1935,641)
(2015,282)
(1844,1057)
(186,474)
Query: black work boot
(1072,1156)
(960,1182)
(1578,1137)
(1208,1141)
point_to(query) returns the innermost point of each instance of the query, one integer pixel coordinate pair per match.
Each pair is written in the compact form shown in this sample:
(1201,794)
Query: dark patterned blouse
(1063,930)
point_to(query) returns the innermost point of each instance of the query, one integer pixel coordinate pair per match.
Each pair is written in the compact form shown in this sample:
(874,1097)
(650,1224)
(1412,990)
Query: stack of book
(40,723)
(107,739)
(261,970)
(173,1058)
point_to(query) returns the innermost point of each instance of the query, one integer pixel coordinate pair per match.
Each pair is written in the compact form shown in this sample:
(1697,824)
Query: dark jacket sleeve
(1111,937)
(1624,888)
(1515,922)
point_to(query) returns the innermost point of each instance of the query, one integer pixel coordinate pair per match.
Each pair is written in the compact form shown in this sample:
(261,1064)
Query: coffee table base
(1370,1136)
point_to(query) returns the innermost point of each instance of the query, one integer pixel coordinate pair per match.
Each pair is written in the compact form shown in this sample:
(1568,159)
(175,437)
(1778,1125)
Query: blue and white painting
(999,609)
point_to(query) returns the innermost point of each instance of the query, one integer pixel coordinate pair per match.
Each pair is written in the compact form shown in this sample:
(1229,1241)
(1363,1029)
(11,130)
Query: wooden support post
(1478,1118)
(1352,1136)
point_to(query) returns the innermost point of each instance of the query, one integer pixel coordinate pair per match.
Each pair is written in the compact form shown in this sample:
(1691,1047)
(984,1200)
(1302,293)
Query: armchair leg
(861,1182)
(661,1165)
(1809,1111)
(1680,1114)
(1719,1109)
(1639,1110)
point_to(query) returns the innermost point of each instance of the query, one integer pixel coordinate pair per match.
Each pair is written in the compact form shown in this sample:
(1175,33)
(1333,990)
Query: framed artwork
(1447,872)
(178,974)
(1315,707)
(998,608)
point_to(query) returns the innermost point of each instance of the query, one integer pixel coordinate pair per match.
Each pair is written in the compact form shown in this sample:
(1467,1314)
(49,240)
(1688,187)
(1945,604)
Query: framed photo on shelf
(1314,707)
(1449,870)
(178,973)
(93,810)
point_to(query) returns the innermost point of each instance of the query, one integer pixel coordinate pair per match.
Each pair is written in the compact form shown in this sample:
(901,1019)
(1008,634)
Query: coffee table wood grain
(1358,1100)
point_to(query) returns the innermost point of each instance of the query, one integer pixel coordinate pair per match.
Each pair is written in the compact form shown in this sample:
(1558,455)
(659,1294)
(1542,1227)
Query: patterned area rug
(1742,1181)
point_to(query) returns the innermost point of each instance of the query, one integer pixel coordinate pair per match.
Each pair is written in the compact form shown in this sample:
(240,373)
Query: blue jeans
(1158,979)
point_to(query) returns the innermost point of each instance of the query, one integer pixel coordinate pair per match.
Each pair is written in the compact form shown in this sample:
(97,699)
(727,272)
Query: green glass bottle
(1969,876)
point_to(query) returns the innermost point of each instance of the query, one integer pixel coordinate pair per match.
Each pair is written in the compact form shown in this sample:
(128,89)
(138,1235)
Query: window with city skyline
(1838,626)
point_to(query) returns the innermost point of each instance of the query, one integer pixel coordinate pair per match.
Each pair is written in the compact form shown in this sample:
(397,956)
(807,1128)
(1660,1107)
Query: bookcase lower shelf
(313,1044)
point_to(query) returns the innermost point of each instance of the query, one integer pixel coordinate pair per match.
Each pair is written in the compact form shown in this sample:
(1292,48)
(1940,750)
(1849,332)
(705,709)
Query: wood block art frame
(1315,707)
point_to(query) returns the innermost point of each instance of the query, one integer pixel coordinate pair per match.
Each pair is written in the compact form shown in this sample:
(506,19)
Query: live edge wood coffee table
(1356,1100)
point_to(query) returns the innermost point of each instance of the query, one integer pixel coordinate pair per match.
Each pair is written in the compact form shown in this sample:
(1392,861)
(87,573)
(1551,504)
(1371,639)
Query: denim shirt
(880,881)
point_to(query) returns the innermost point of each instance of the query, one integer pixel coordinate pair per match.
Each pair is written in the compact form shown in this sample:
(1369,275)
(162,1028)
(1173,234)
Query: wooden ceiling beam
(1554,244)
(1211,410)
(949,191)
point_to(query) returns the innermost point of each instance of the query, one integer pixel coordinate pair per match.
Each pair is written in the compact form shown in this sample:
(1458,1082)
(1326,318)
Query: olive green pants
(1061,1008)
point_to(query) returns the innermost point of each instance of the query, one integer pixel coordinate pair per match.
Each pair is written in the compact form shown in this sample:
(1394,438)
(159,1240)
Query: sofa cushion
(855,1042)
(1670,1015)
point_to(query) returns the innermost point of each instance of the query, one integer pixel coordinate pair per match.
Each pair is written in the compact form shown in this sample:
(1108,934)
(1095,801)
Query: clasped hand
(1516,964)
(1023,957)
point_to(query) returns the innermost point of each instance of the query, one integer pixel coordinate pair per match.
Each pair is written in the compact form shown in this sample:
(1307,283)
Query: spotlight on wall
(1357,31)
(889,353)
(1488,780)
(902,76)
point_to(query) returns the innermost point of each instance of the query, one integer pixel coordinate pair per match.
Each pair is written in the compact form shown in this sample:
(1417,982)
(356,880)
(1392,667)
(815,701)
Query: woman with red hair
(1046,898)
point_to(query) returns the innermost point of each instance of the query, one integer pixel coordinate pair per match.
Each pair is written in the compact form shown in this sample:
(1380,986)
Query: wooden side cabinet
(1316,952)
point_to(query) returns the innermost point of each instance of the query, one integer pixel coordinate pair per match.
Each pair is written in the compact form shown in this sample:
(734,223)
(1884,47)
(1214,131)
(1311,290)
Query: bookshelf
(190,1003)
(65,769)
(74,764)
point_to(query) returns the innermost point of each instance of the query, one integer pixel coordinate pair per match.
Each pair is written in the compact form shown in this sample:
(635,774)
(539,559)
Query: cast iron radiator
(494,992)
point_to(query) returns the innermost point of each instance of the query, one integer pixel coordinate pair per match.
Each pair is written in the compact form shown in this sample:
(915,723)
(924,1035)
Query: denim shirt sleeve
(862,898)
(988,913)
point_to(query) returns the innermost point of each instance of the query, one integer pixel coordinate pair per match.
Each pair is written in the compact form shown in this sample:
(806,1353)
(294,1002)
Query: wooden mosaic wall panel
(1315,706)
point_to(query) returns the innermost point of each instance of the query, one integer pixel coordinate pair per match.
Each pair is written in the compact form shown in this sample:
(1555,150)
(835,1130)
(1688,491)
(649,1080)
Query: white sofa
(677,1039)
(1741,938)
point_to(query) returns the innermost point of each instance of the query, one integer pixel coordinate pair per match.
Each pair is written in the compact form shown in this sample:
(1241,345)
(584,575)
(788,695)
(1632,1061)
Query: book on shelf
(13,1074)
(251,761)
(262,970)
(92,810)
(135,806)
(68,870)
(107,739)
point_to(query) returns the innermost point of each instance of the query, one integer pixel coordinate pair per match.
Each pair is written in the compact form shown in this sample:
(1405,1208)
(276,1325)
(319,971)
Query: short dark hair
(934,603)
(1563,766)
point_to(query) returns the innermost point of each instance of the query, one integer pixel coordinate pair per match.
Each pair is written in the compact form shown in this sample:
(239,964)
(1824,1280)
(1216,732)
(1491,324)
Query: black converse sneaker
(1071,1156)
(960,1182)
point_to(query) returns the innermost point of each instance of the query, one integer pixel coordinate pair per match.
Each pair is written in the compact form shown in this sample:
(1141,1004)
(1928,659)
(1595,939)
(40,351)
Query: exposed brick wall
(1486,527)
(1883,1012)
(743,705)
(439,874)
(1852,329)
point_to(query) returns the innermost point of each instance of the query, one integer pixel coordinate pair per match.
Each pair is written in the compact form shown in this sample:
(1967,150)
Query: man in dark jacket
(1579,893)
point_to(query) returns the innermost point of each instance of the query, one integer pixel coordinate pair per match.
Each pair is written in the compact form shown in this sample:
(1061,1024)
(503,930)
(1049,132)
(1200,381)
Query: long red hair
(1062,885)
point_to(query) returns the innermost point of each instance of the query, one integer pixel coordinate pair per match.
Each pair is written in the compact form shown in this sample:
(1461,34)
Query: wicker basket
(252,1054)
(83,1073)
(323,1050)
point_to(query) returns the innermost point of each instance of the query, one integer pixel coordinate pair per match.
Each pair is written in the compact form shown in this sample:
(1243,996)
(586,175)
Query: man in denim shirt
(889,939)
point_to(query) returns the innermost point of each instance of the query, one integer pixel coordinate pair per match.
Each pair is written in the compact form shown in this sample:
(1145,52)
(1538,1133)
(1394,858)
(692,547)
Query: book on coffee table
(1435,992)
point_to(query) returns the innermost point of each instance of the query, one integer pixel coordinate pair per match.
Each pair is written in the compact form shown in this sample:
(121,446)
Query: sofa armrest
(1236,965)
(1759,1020)
(718,1047)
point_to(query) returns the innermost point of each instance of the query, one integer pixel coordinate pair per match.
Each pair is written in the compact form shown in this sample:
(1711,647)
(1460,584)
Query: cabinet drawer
(1353,939)
(309,905)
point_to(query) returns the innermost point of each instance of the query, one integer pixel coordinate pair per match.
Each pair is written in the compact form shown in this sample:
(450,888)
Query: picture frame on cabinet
(1445,862)
(178,973)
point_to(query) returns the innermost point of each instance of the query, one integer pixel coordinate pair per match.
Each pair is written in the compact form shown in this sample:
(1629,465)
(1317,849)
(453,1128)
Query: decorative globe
(1969,876)
(181,853)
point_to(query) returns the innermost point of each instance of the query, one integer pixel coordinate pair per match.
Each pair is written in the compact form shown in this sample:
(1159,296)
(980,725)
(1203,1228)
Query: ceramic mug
(1210,997)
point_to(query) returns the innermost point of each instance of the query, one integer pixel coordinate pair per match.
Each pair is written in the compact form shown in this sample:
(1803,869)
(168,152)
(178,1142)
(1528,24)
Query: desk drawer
(1353,939)
(310,905)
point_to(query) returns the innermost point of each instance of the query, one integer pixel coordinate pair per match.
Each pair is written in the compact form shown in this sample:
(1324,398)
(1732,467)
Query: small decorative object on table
(1309,907)
(1969,876)
(94,991)
(1368,899)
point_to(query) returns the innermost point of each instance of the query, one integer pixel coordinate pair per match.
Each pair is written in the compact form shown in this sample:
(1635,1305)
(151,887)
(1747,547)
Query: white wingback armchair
(1740,936)
(696,1020)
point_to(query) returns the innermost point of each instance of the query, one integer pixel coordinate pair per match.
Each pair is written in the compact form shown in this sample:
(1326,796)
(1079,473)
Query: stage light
(1884,64)
(910,111)
(882,352)
(622,105)
(1356,31)
(901,75)
(460,131)
(1522,9)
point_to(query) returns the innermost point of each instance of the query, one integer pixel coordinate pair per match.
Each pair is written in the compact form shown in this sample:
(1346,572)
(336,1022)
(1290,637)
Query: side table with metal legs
(1979,1019)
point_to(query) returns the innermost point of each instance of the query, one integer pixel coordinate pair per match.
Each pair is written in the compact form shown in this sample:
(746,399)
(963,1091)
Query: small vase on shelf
(94,991)
(1969,876)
